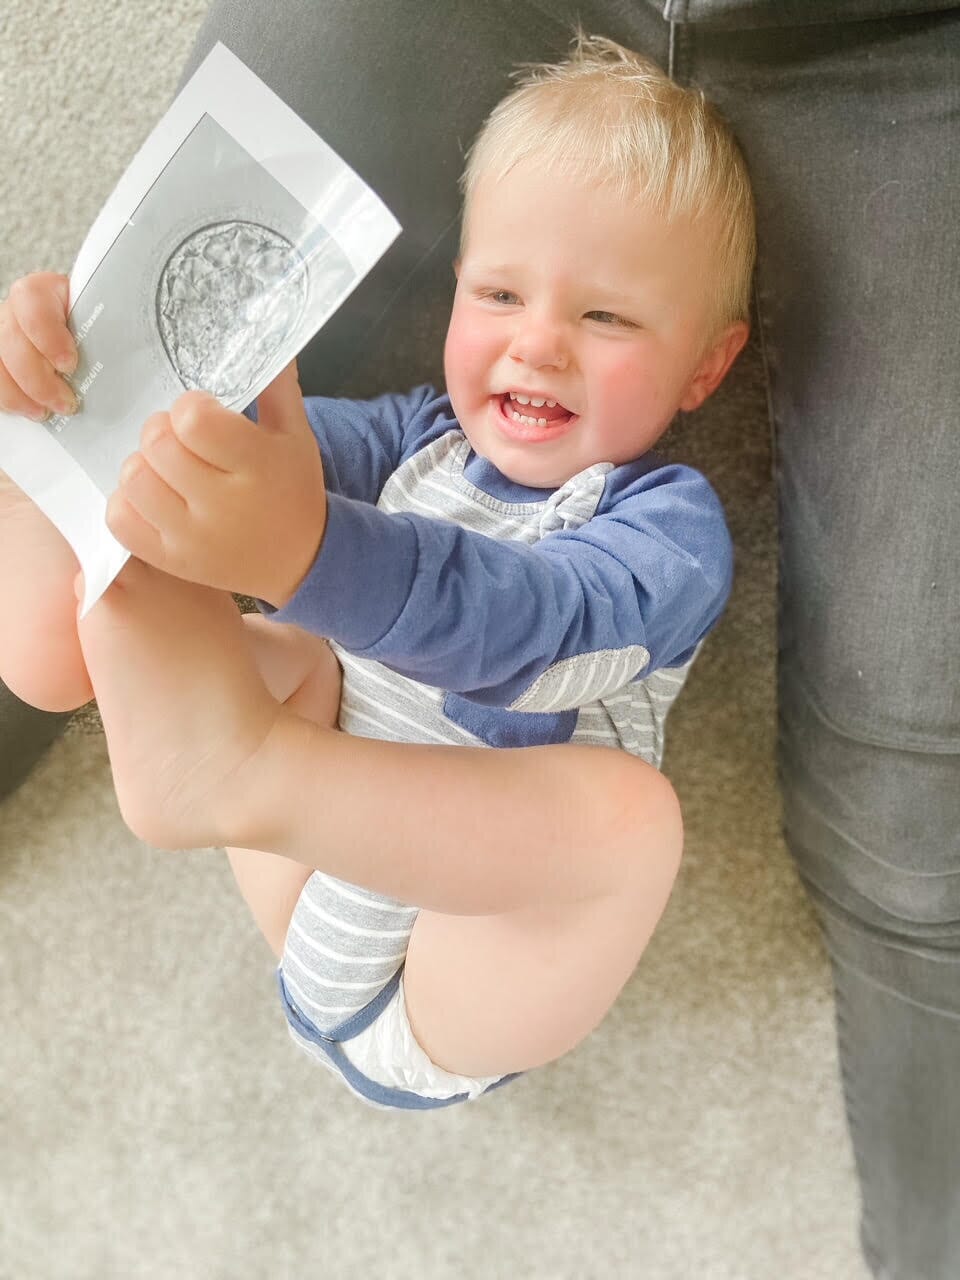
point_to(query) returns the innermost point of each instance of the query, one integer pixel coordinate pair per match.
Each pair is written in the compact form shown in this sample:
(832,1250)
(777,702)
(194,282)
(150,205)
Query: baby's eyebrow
(494,268)
(648,305)
(613,296)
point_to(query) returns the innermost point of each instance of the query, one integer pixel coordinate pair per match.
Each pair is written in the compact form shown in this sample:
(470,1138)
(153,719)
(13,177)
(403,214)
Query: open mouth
(534,411)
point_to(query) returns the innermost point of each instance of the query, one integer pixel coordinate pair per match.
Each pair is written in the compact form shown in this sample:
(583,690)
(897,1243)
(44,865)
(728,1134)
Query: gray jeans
(849,125)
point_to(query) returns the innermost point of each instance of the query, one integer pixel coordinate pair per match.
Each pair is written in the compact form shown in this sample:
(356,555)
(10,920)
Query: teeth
(537,403)
(529,422)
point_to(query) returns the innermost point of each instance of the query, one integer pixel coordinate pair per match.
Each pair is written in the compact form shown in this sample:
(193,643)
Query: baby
(502,565)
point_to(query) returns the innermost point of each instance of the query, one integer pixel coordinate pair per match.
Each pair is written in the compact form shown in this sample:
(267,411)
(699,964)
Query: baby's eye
(503,296)
(608,317)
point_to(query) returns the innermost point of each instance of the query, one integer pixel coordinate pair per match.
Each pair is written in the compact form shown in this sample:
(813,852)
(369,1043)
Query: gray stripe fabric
(566,684)
(343,946)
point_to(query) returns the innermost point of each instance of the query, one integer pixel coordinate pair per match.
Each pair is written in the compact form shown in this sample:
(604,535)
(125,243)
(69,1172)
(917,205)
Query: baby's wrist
(295,567)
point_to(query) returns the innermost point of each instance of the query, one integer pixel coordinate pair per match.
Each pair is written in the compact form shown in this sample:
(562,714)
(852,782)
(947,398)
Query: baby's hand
(34,343)
(216,499)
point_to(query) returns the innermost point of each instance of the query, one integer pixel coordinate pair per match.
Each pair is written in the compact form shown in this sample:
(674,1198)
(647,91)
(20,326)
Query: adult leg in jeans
(850,136)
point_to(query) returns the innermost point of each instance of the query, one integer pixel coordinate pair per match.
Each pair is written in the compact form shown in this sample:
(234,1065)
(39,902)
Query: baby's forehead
(557,175)
(483,215)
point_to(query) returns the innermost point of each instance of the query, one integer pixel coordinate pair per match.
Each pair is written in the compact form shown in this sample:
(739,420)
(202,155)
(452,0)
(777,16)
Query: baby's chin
(531,473)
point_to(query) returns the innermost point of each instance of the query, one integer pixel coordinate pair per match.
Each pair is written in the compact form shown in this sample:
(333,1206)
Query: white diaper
(388,1053)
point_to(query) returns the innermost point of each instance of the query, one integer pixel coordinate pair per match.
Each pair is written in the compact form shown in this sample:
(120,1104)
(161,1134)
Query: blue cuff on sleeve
(361,579)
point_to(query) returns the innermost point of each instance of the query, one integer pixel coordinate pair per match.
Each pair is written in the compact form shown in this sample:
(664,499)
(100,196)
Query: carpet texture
(155,1121)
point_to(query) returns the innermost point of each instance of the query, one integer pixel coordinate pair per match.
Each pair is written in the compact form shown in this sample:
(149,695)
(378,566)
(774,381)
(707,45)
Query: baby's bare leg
(40,656)
(487,994)
(541,871)
(301,671)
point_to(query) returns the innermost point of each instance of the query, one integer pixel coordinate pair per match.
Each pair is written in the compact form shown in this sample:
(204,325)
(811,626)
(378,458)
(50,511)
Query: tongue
(556,414)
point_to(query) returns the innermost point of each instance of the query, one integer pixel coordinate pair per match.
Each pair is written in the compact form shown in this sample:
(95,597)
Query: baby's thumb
(280,405)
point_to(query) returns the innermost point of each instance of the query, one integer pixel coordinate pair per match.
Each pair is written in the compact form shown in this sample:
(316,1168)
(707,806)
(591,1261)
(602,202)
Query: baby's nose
(540,344)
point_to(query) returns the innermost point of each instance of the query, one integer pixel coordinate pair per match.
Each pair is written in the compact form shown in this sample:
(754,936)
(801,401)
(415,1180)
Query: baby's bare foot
(183,706)
(40,658)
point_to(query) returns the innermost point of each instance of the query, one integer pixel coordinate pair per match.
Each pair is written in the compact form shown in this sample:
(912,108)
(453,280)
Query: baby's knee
(652,822)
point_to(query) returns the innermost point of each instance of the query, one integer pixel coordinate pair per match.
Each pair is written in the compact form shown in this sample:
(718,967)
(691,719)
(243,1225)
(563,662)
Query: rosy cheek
(454,348)
(622,375)
(466,352)
(626,392)
(635,378)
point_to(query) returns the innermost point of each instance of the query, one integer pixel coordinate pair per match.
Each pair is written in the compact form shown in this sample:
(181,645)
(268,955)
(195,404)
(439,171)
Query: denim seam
(854,1126)
(682,38)
(841,916)
(947,1014)
(810,809)
(909,742)
(773,427)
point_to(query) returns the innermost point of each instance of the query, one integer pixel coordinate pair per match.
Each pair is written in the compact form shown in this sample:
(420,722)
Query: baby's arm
(508,626)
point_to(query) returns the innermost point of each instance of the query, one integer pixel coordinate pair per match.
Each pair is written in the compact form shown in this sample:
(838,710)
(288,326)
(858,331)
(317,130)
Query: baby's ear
(714,366)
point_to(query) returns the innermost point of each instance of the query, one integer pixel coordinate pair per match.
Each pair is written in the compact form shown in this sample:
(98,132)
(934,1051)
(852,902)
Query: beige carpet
(155,1121)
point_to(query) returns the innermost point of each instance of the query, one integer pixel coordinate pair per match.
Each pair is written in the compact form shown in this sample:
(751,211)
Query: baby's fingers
(33,335)
(224,439)
(28,385)
(40,304)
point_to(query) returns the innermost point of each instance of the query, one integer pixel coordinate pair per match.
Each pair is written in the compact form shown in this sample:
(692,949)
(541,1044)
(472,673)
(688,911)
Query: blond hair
(611,115)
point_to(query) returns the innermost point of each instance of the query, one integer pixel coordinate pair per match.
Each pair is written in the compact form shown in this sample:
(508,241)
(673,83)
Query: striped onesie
(466,609)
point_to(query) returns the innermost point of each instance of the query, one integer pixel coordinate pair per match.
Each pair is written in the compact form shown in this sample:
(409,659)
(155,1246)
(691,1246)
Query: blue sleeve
(362,442)
(534,628)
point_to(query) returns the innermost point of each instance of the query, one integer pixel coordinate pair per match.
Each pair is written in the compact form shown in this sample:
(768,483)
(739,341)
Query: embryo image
(228,298)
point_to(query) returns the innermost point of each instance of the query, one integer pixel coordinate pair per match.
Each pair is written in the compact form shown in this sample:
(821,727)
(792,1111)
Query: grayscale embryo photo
(239,276)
